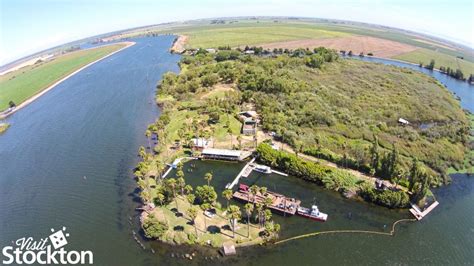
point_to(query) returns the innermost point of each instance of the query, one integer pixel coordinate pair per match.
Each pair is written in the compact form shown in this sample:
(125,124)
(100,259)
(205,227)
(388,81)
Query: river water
(67,159)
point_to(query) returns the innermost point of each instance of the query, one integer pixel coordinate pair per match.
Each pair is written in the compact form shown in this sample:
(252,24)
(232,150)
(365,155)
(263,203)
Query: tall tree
(192,213)
(227,194)
(254,189)
(234,213)
(208,178)
(171,183)
(374,155)
(248,211)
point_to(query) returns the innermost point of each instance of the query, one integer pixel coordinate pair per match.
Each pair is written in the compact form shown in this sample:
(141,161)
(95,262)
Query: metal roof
(223,152)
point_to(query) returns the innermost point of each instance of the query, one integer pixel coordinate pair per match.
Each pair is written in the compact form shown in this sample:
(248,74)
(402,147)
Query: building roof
(200,142)
(403,121)
(222,152)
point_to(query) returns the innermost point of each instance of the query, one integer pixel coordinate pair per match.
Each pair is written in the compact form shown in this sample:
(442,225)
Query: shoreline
(6,114)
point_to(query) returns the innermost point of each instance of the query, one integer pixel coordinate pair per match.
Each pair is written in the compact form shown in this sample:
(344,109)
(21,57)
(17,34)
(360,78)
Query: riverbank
(49,87)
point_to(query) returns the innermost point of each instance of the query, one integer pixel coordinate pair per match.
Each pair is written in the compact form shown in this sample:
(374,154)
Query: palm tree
(234,213)
(267,202)
(181,184)
(190,198)
(259,208)
(205,207)
(172,185)
(254,190)
(227,194)
(160,198)
(160,166)
(208,178)
(263,191)
(188,189)
(192,213)
(248,211)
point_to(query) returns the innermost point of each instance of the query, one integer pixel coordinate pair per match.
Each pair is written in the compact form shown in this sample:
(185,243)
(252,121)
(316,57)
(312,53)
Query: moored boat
(312,213)
(263,169)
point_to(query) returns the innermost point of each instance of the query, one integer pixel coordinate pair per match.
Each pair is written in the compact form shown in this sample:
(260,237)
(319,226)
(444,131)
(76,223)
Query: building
(249,121)
(249,127)
(199,143)
(223,154)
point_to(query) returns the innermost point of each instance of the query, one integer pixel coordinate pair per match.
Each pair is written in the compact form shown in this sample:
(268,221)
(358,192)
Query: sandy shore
(39,94)
(178,45)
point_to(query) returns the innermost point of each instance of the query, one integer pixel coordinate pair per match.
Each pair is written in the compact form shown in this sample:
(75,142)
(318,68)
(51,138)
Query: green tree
(374,155)
(154,228)
(148,136)
(160,198)
(191,198)
(206,194)
(234,214)
(192,213)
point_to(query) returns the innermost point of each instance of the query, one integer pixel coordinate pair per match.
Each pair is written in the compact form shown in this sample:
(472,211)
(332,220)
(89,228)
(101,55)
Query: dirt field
(358,44)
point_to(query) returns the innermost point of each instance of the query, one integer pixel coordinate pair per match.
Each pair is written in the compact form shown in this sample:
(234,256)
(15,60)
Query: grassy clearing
(216,230)
(22,84)
(424,56)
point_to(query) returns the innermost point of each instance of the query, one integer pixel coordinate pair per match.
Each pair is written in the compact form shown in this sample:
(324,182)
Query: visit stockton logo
(49,250)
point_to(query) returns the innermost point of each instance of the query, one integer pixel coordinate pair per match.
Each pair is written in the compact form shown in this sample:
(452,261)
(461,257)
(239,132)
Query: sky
(29,26)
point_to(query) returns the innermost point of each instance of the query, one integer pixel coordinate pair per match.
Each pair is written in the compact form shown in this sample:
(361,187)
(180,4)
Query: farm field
(257,34)
(424,56)
(295,33)
(19,85)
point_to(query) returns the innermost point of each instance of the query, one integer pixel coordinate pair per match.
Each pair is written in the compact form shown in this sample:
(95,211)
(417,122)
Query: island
(372,132)
(22,86)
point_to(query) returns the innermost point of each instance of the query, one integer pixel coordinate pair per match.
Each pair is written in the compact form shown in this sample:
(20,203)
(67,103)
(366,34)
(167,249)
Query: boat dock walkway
(279,173)
(175,164)
(421,214)
(241,173)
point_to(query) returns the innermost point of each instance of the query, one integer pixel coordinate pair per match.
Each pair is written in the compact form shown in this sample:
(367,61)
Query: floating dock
(280,203)
(421,214)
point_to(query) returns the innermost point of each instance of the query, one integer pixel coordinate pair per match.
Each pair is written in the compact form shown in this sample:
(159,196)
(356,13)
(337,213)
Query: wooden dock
(421,214)
(244,170)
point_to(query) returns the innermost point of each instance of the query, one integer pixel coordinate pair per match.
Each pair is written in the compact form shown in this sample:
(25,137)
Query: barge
(280,203)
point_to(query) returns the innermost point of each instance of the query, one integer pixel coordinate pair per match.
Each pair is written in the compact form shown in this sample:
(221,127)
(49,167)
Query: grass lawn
(217,230)
(425,56)
(19,85)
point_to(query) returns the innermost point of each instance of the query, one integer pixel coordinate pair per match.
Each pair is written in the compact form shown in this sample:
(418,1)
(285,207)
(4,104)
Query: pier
(421,214)
(246,170)
(175,164)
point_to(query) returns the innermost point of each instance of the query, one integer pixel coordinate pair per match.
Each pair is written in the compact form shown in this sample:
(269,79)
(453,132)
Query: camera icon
(58,239)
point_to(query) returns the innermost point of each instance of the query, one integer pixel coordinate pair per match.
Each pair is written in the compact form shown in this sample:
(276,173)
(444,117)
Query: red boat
(313,213)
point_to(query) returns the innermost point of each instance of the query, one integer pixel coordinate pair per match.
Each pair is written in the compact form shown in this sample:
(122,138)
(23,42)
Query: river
(67,159)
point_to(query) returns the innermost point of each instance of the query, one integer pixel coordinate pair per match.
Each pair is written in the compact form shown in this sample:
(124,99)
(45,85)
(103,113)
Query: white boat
(263,169)
(312,213)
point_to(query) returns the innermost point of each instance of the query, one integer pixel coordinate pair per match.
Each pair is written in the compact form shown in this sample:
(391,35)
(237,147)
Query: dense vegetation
(332,108)
(331,178)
